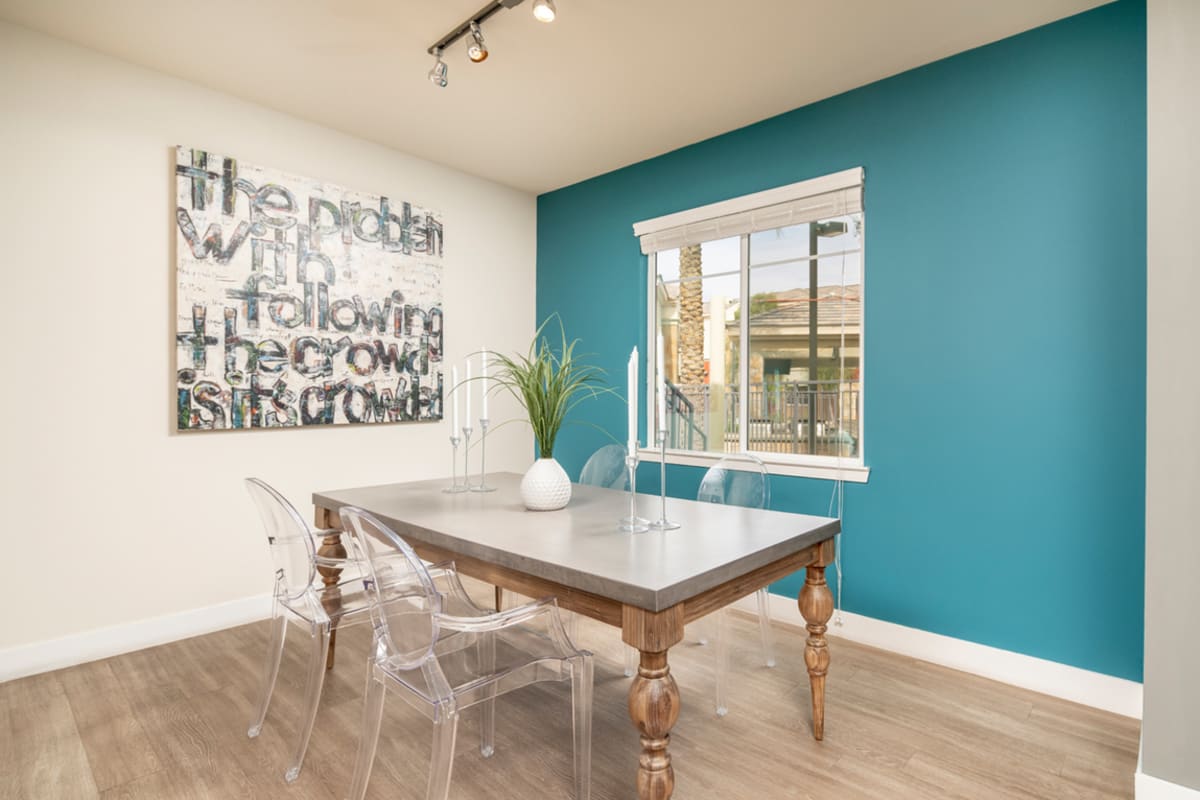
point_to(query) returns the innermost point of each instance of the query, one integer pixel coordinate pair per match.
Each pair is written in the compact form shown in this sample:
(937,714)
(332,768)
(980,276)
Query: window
(759,302)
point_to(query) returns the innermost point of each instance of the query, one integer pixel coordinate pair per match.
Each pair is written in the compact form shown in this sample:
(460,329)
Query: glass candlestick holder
(662,523)
(467,431)
(455,487)
(633,523)
(484,422)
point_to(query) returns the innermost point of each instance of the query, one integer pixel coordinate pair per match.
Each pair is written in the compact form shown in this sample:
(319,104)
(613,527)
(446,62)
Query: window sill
(824,469)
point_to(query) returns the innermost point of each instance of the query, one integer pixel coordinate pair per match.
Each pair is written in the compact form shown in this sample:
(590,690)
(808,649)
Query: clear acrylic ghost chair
(606,467)
(444,662)
(738,480)
(301,598)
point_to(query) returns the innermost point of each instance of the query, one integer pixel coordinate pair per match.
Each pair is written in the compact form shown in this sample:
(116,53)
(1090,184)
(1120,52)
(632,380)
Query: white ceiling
(610,83)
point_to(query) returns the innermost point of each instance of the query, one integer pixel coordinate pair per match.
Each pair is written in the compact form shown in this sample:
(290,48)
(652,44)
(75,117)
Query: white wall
(111,517)
(1171,716)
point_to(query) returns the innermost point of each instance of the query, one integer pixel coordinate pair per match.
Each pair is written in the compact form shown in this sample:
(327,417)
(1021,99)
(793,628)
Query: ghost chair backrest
(737,480)
(606,467)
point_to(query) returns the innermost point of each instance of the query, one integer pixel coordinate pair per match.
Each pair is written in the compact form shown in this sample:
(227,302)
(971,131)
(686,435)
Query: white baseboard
(30,659)
(1048,677)
(1039,675)
(1148,787)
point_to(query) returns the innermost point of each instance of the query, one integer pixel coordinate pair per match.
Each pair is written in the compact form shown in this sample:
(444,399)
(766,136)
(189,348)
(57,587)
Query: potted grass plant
(548,382)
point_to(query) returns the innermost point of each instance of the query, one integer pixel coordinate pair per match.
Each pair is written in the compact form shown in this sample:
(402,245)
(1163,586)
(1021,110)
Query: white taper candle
(484,381)
(468,392)
(633,400)
(454,396)
(661,367)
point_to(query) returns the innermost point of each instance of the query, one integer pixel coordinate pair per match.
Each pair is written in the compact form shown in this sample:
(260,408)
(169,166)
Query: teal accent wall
(1004,330)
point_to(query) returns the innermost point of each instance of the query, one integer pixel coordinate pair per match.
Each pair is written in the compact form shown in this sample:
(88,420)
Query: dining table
(649,584)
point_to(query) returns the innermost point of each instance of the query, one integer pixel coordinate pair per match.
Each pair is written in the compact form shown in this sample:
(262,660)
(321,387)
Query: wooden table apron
(653,695)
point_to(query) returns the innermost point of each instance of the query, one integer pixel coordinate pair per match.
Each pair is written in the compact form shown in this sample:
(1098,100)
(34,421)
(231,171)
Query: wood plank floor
(170,722)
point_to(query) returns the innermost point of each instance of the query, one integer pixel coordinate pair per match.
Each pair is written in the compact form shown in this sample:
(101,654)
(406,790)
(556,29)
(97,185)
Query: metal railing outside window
(783,417)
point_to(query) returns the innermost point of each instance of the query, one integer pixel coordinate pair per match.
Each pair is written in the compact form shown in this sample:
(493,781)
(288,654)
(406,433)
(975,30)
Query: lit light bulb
(544,11)
(476,51)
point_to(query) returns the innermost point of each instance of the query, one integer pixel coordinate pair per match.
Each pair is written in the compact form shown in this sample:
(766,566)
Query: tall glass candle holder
(454,487)
(467,431)
(662,523)
(484,422)
(633,523)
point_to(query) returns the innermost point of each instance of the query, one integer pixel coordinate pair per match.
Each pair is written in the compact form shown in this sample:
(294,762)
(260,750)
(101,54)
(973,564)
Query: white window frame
(852,469)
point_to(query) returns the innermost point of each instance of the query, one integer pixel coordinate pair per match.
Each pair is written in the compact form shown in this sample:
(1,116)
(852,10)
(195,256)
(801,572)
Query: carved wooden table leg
(816,606)
(653,696)
(331,598)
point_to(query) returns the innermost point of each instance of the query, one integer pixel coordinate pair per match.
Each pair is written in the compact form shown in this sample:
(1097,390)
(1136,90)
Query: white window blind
(833,195)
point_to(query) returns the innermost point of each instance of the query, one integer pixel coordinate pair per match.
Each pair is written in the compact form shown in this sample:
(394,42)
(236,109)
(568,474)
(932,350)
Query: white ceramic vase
(545,486)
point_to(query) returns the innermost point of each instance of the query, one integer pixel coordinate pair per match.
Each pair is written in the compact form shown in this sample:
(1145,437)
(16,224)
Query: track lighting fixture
(437,75)
(476,50)
(543,11)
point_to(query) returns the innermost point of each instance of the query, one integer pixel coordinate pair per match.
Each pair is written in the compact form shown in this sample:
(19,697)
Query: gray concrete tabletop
(580,546)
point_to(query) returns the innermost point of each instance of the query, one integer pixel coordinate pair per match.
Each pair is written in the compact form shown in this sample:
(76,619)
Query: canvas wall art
(300,302)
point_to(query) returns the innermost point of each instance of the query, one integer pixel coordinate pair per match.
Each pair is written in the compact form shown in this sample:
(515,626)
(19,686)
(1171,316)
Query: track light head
(437,75)
(476,50)
(543,11)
